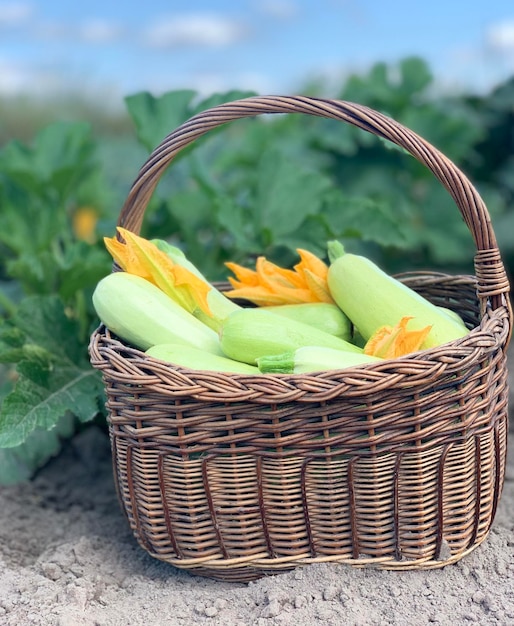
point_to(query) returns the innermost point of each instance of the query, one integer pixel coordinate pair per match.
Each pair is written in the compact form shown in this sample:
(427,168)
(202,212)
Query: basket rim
(497,320)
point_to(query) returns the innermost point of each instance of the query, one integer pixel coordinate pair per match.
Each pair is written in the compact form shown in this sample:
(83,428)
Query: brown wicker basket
(398,465)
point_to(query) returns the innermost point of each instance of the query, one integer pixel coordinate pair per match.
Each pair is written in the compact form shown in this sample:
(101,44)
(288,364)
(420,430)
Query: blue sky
(109,49)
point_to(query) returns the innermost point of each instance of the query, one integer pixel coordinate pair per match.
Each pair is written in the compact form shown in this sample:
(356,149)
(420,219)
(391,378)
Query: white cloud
(92,31)
(15,13)
(476,67)
(194,29)
(13,78)
(47,82)
(279,9)
(51,30)
(19,78)
(99,31)
(500,36)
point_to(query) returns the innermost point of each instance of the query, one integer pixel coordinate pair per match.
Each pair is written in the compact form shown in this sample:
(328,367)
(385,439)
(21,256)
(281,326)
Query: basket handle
(493,284)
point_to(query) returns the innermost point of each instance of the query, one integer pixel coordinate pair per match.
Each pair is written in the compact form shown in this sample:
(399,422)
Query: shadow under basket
(396,465)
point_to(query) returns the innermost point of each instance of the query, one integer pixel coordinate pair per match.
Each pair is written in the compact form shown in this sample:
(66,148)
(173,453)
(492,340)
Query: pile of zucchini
(287,339)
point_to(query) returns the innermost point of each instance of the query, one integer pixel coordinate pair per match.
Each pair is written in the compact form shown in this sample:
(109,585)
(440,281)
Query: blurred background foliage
(261,186)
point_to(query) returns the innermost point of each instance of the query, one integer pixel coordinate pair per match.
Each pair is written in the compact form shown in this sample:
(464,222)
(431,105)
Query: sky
(109,49)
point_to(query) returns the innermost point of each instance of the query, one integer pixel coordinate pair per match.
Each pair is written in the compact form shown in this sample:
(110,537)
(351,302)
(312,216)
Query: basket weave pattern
(398,465)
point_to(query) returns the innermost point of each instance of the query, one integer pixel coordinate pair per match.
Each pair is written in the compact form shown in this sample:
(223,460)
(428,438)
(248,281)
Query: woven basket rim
(497,319)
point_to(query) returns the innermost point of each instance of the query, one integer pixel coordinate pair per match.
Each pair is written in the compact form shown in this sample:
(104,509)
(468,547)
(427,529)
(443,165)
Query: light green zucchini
(143,315)
(372,299)
(192,358)
(249,334)
(322,315)
(453,315)
(312,359)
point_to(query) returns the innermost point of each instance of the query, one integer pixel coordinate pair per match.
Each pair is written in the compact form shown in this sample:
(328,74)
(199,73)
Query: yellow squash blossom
(84,223)
(141,257)
(391,342)
(270,284)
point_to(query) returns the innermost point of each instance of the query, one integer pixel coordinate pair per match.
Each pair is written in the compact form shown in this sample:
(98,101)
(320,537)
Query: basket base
(228,571)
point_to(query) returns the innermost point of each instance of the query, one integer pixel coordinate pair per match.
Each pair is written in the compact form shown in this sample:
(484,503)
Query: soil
(68,558)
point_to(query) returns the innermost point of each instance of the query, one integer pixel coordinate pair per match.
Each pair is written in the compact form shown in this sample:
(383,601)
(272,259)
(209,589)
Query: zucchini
(192,358)
(312,359)
(249,334)
(373,299)
(322,315)
(143,315)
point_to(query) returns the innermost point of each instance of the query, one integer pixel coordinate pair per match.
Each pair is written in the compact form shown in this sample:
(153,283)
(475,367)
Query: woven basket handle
(493,284)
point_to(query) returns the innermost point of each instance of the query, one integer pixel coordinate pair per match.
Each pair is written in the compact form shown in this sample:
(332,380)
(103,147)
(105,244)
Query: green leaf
(11,336)
(11,344)
(36,271)
(192,209)
(504,227)
(60,157)
(237,221)
(312,235)
(286,194)
(389,145)
(38,186)
(451,128)
(155,118)
(54,374)
(43,403)
(415,75)
(81,267)
(44,322)
(336,136)
(28,222)
(19,464)
(367,219)
(221,98)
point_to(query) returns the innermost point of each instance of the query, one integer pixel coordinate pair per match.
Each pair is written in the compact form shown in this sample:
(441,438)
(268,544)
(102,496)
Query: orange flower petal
(311,262)
(84,223)
(263,297)
(381,343)
(270,284)
(275,277)
(125,257)
(154,261)
(318,286)
(411,340)
(245,275)
(193,289)
(141,257)
(390,343)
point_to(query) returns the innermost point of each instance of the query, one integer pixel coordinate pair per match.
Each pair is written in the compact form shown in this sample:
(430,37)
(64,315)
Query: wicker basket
(398,465)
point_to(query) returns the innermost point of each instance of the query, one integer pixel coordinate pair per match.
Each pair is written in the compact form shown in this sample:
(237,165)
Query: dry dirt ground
(68,558)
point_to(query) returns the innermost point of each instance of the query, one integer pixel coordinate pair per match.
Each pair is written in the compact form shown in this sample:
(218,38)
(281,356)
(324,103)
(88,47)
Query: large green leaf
(19,463)
(286,194)
(41,401)
(366,219)
(59,158)
(238,223)
(54,374)
(155,117)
